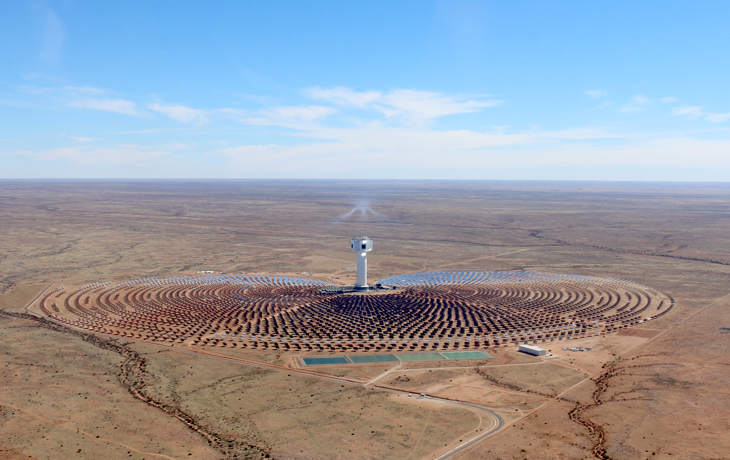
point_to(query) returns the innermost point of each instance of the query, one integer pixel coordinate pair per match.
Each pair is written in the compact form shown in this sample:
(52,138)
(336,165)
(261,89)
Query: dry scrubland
(663,393)
(298,417)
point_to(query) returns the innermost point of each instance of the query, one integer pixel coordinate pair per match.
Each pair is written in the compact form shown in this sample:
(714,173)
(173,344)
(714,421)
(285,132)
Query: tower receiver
(362,245)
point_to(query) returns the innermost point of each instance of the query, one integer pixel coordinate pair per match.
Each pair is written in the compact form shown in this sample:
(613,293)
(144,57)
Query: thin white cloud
(81,139)
(412,105)
(308,113)
(474,155)
(177,146)
(85,97)
(180,113)
(639,102)
(596,93)
(333,149)
(86,155)
(636,104)
(662,151)
(108,105)
(382,140)
(301,118)
(341,95)
(694,112)
(422,105)
(690,112)
(64,91)
(718,117)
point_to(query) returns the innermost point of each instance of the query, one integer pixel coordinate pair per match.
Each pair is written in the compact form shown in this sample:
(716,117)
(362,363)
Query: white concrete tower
(362,245)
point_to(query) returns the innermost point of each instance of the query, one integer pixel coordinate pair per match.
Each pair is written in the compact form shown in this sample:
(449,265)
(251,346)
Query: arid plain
(657,390)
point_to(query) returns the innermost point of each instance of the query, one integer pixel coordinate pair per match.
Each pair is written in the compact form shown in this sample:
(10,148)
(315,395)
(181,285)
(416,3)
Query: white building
(533,350)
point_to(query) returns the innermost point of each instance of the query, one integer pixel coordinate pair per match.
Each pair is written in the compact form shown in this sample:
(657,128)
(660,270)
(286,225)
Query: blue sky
(381,90)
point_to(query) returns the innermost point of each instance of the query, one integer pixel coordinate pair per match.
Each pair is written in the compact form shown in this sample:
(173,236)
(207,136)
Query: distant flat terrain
(655,390)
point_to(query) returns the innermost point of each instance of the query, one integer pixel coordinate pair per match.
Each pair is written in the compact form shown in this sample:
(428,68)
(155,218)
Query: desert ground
(656,390)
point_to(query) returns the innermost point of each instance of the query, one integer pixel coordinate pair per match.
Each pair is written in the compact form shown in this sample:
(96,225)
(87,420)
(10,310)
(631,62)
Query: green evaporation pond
(465,354)
(328,360)
(358,359)
(420,356)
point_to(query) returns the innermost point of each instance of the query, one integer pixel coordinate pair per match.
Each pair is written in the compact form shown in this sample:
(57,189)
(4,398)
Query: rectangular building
(533,350)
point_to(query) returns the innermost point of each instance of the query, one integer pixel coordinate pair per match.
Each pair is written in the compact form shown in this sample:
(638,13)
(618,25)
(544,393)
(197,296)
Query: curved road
(499,423)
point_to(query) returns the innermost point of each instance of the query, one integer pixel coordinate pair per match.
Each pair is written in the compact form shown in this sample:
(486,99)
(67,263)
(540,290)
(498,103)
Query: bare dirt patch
(634,332)
(66,394)
(10,454)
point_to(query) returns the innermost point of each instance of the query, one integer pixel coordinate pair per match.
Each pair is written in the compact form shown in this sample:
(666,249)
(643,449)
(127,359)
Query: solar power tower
(362,245)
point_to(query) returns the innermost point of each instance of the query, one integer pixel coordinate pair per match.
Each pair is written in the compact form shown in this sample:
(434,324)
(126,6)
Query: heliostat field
(450,310)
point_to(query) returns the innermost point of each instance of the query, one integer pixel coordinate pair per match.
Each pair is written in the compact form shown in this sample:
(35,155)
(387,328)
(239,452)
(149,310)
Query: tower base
(357,289)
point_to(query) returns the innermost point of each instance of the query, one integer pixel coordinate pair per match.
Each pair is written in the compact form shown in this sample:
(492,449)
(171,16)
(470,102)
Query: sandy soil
(66,396)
